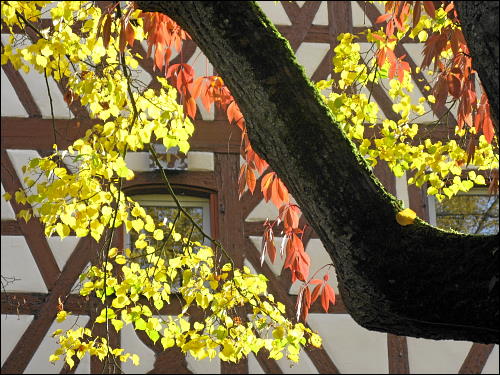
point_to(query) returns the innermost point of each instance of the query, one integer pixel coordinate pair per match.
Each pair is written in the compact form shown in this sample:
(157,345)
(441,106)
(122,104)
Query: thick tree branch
(479,21)
(414,280)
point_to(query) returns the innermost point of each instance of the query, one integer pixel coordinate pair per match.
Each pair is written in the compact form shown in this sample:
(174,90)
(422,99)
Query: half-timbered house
(36,271)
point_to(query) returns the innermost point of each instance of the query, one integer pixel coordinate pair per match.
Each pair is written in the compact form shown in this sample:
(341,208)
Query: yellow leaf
(61,316)
(70,361)
(158,235)
(135,359)
(118,324)
(7,196)
(406,217)
(41,60)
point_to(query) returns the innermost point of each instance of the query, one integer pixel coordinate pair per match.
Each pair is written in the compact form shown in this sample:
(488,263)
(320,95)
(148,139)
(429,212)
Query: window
(474,212)
(162,208)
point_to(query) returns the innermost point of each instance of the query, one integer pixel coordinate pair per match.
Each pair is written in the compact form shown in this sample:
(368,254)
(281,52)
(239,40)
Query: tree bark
(414,280)
(479,21)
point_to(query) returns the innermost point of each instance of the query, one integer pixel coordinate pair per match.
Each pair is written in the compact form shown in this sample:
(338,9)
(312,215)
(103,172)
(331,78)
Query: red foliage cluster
(456,76)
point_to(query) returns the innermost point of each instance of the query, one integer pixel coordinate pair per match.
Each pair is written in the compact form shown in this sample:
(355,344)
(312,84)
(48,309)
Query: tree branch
(414,280)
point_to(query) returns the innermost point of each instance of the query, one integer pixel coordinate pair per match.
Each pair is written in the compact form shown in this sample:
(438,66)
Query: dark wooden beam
(31,133)
(301,19)
(476,359)
(397,349)
(11,228)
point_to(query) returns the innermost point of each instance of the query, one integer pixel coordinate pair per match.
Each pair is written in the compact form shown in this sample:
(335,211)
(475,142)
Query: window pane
(469,213)
(183,226)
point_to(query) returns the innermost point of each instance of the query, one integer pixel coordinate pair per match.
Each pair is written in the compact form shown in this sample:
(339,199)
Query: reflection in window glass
(469,213)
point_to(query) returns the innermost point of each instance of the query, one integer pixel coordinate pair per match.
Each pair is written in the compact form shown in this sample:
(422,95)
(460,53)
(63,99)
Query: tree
(378,256)
(388,273)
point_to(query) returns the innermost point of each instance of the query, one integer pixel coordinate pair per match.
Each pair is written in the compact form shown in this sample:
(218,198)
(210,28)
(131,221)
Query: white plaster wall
(132,344)
(321,17)
(436,357)
(200,161)
(353,349)
(13,327)
(275,12)
(358,17)
(491,366)
(309,55)
(18,262)
(40,364)
(11,105)
(7,213)
(62,249)
(264,210)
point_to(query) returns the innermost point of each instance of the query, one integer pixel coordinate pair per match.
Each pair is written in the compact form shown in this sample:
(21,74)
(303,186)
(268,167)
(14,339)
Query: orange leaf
(130,34)
(251,180)
(324,299)
(266,185)
(190,107)
(383,18)
(331,293)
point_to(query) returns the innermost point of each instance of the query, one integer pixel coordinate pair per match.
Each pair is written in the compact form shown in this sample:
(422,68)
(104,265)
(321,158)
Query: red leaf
(123,41)
(454,85)
(389,29)
(106,31)
(383,18)
(488,129)
(271,249)
(68,97)
(315,293)
(381,56)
